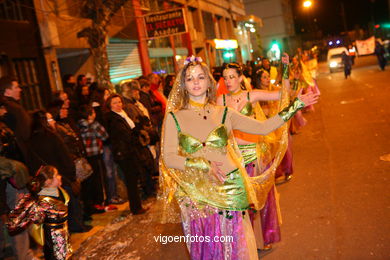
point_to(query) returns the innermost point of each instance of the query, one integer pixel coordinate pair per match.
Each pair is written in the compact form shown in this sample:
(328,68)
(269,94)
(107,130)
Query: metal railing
(11,10)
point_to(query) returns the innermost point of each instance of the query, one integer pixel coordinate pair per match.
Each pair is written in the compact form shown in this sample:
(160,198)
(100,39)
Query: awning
(124,61)
(166,52)
(251,19)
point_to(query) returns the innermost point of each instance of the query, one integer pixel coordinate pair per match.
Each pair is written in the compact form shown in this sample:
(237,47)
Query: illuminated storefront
(247,33)
(226,51)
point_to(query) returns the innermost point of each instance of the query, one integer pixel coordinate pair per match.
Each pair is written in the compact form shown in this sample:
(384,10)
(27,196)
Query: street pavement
(337,205)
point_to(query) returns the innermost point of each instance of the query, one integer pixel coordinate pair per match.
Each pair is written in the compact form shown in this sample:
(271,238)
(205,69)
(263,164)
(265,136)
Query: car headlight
(333,64)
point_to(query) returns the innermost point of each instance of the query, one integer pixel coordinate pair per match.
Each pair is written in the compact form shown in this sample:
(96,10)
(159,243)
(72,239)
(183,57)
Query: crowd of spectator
(117,135)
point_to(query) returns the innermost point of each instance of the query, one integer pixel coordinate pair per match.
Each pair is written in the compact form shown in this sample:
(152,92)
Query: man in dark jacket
(69,84)
(17,118)
(131,95)
(145,98)
(19,123)
(346,59)
(380,54)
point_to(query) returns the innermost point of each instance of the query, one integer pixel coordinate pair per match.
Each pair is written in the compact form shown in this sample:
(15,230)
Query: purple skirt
(268,214)
(285,167)
(217,237)
(297,122)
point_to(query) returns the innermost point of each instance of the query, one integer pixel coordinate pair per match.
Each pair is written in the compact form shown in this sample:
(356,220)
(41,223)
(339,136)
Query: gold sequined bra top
(218,138)
(247,110)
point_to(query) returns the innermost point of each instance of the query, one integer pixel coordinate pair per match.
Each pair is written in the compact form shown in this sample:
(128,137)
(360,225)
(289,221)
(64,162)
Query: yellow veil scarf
(175,183)
(267,146)
(274,146)
(270,148)
(307,77)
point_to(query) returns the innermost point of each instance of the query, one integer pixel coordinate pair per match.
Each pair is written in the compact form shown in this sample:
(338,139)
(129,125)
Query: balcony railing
(11,10)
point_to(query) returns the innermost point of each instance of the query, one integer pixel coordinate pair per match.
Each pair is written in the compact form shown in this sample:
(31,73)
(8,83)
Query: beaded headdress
(192,58)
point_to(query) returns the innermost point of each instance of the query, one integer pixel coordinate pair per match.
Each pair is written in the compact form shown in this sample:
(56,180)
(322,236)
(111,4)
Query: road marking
(344,102)
(385,157)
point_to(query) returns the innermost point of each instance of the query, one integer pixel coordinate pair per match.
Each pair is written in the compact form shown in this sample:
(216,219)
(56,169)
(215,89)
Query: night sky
(329,18)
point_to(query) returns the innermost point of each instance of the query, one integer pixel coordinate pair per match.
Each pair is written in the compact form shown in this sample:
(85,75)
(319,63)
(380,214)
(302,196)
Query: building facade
(213,34)
(40,43)
(21,54)
(207,23)
(278,24)
(60,22)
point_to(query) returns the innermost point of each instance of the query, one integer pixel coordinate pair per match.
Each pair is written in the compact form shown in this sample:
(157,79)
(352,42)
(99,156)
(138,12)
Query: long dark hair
(85,111)
(39,122)
(258,75)
(167,86)
(97,95)
(54,109)
(237,67)
(38,182)
(79,78)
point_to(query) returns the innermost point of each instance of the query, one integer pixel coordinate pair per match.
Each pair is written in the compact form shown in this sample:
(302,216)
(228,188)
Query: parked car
(334,58)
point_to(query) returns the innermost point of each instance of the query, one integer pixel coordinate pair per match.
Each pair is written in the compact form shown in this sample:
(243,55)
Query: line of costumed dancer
(302,73)
(204,182)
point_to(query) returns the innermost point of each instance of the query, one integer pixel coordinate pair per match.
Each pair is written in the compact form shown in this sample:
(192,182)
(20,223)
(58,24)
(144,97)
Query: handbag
(153,134)
(143,137)
(83,169)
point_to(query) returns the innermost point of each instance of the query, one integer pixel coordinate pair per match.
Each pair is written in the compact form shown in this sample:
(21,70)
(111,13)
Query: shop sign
(165,23)
(225,44)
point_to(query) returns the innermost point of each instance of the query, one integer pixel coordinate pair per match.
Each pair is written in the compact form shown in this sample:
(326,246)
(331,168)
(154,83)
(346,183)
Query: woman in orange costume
(256,150)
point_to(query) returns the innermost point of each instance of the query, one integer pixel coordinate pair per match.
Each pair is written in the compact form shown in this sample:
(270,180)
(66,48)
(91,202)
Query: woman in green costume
(201,173)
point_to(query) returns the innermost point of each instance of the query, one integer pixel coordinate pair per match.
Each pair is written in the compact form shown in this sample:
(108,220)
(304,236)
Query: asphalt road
(337,205)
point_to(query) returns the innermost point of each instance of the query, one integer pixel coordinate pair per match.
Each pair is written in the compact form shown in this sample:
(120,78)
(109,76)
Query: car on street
(334,59)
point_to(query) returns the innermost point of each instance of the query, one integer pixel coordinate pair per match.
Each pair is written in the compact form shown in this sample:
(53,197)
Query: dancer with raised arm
(201,172)
(256,150)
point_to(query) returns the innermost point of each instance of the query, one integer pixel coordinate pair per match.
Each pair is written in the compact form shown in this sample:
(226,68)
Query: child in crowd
(46,206)
(93,188)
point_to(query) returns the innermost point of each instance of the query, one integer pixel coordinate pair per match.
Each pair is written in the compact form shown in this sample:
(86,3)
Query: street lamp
(307,4)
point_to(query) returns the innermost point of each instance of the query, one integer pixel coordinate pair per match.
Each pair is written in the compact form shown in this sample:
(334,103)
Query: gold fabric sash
(36,230)
(248,152)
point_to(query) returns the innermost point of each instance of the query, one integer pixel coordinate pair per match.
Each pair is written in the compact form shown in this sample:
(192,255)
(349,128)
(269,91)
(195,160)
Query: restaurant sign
(165,23)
